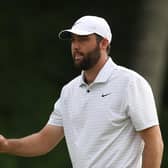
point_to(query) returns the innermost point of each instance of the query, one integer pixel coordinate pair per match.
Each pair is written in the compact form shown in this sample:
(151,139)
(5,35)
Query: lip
(77,56)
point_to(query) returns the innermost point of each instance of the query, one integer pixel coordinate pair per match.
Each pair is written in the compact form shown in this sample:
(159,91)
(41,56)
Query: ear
(104,43)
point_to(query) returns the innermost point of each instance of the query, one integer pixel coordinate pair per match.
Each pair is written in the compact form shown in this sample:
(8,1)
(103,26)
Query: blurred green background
(35,64)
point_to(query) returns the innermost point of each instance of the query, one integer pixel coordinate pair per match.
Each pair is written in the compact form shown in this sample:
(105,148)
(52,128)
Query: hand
(3,144)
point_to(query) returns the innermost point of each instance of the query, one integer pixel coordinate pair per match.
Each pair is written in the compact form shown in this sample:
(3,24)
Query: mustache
(77,53)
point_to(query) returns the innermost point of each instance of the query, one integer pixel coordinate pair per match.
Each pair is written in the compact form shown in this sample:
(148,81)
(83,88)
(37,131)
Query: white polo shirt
(101,120)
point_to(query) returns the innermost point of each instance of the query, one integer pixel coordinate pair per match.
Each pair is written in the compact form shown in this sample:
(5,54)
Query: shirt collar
(103,74)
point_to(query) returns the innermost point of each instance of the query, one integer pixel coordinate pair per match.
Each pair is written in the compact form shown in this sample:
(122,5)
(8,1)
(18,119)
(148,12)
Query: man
(107,114)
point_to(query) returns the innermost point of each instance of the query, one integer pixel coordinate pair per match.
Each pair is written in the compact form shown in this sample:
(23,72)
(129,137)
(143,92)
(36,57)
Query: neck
(90,75)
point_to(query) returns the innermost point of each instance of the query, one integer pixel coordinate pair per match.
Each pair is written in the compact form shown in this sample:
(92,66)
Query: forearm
(28,146)
(33,145)
(152,156)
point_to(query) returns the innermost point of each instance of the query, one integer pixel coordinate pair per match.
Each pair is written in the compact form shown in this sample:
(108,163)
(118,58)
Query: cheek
(72,50)
(72,47)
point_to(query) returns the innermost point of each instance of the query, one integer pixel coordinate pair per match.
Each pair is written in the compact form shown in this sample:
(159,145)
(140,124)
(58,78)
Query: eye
(72,38)
(79,39)
(84,38)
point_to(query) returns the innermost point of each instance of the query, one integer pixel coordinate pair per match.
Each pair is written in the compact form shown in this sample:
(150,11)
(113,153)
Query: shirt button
(88,91)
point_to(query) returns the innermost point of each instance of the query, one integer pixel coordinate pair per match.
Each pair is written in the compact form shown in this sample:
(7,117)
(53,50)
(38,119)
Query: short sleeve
(141,104)
(56,116)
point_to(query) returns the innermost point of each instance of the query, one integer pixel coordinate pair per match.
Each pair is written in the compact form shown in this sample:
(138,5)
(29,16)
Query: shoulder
(130,75)
(129,79)
(134,82)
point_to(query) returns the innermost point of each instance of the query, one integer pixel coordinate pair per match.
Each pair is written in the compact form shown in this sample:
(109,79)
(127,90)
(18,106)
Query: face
(85,51)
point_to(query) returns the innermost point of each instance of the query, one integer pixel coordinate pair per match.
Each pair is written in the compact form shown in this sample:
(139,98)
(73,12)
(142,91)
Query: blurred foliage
(35,65)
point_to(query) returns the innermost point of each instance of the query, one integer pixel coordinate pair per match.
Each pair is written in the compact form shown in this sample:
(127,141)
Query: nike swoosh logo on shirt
(103,95)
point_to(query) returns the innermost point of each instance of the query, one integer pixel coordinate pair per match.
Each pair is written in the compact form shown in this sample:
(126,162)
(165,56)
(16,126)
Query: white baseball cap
(87,25)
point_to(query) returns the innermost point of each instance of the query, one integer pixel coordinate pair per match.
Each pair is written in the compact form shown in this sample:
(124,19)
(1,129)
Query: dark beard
(89,59)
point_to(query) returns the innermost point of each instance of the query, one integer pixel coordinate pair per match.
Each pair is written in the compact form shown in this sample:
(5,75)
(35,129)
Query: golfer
(107,114)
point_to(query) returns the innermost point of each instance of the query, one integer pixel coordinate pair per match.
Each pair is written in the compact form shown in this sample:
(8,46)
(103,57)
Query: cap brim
(66,34)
